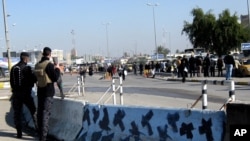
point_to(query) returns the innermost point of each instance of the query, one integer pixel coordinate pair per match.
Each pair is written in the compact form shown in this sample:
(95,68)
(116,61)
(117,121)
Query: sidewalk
(237,80)
(7,130)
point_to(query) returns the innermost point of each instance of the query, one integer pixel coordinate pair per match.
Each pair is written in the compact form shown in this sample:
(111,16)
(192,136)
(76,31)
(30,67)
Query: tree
(162,50)
(219,36)
(228,33)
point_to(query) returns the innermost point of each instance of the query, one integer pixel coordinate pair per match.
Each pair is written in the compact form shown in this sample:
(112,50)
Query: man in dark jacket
(45,91)
(184,68)
(192,65)
(22,80)
(206,65)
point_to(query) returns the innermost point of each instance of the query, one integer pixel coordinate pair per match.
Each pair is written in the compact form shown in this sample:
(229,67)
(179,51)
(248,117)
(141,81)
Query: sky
(104,27)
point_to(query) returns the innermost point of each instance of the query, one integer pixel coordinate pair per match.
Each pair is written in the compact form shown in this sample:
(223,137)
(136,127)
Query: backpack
(41,75)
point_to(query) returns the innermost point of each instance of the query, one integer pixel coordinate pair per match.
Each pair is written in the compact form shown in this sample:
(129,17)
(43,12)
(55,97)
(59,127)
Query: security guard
(22,80)
(47,74)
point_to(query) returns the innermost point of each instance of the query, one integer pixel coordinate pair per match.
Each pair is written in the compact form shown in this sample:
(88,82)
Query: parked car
(129,67)
(244,68)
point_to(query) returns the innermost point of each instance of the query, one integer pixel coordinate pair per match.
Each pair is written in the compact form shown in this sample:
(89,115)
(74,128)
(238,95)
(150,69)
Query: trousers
(43,116)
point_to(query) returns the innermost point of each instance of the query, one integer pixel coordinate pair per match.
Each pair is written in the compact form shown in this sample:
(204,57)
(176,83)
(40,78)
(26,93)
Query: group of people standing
(22,80)
(193,65)
(207,66)
(120,69)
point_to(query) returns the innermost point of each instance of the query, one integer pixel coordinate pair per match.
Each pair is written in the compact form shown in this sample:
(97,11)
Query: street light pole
(153,6)
(248,15)
(169,42)
(107,37)
(6,35)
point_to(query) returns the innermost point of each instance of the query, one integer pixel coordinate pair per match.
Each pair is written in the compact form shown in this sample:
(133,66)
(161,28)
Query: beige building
(57,53)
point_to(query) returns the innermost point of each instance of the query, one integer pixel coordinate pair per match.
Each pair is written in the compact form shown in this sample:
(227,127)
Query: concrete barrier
(66,119)
(147,123)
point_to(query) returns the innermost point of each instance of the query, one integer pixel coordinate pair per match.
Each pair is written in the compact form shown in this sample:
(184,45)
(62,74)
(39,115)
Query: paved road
(164,93)
(138,91)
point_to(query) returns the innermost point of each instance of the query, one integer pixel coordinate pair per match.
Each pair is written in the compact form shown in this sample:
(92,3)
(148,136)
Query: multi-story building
(35,55)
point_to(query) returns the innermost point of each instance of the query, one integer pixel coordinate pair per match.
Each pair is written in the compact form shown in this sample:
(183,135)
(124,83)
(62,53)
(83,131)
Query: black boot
(19,133)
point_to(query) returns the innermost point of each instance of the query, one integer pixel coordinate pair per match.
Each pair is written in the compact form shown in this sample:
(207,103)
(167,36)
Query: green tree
(219,36)
(162,50)
(228,33)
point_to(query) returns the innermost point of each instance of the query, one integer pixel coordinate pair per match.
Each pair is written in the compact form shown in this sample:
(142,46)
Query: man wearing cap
(46,74)
(22,80)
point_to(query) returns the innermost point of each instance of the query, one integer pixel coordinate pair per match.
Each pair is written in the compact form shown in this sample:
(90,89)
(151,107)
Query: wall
(71,120)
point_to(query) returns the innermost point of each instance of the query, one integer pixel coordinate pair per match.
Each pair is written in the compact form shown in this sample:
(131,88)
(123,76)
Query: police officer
(45,91)
(22,80)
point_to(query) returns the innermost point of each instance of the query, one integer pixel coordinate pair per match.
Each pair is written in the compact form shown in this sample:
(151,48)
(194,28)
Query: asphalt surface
(93,94)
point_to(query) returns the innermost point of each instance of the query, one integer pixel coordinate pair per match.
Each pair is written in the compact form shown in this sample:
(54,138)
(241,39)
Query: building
(35,55)
(57,53)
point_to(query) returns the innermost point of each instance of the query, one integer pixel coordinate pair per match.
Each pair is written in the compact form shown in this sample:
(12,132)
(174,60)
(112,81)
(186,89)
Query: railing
(113,94)
(79,86)
(203,96)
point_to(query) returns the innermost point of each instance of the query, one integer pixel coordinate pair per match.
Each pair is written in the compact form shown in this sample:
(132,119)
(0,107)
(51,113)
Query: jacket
(22,78)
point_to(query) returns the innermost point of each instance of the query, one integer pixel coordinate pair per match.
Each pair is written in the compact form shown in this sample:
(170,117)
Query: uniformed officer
(22,80)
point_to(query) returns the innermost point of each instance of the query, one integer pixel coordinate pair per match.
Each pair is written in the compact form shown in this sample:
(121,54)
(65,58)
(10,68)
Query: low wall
(73,121)
(66,119)
(144,123)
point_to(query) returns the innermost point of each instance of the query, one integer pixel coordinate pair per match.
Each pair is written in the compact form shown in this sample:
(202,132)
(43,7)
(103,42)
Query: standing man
(206,65)
(229,64)
(184,68)
(220,66)
(59,81)
(46,74)
(22,80)
(192,65)
(135,68)
(141,68)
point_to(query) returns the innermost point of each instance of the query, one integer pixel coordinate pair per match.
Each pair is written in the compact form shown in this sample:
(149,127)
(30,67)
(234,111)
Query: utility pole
(6,35)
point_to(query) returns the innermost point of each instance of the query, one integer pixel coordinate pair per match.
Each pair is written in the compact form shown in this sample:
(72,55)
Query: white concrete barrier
(123,123)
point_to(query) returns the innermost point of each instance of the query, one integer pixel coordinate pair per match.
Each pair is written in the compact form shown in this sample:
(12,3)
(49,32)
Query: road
(143,91)
(138,91)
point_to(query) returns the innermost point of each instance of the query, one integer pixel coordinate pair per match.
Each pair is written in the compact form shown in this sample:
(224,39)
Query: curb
(4,85)
(197,80)
(4,97)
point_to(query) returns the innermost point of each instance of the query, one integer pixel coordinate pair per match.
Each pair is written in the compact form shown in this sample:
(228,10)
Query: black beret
(24,54)
(46,49)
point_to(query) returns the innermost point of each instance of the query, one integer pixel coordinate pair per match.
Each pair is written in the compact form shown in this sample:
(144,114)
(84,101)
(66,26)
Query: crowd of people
(193,66)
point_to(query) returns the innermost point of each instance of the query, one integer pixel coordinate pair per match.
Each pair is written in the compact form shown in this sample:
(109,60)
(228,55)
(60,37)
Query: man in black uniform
(22,80)
(46,74)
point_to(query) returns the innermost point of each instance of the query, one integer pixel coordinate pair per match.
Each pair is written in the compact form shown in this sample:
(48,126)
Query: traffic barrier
(79,86)
(111,122)
(113,94)
(215,82)
(66,119)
